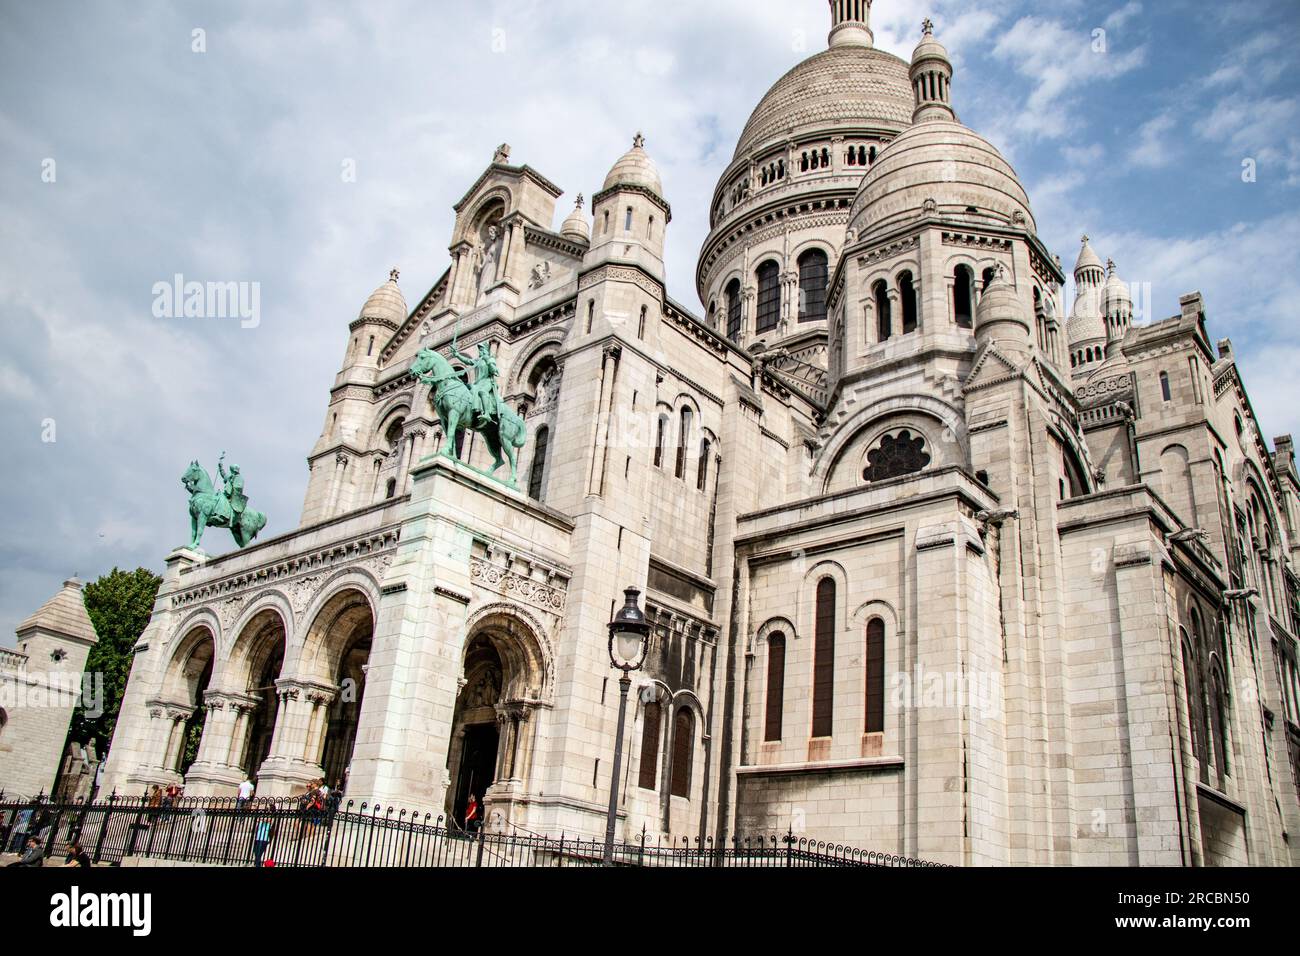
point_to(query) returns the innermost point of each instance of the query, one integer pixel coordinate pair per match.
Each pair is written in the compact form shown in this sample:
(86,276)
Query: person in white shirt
(245,793)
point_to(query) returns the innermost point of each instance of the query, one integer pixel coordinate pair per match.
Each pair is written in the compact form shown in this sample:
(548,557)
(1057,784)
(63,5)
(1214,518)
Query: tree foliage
(119,604)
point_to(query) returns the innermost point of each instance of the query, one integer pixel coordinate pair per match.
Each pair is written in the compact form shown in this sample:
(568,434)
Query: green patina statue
(227,508)
(476,406)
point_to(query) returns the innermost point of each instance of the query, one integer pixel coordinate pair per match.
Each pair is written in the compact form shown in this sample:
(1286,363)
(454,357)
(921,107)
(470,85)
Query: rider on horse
(232,487)
(486,400)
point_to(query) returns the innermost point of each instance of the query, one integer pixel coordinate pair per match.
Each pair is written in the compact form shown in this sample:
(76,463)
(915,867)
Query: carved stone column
(294,760)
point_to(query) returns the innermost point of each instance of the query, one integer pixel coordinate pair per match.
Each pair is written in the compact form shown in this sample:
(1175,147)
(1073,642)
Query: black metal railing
(283,833)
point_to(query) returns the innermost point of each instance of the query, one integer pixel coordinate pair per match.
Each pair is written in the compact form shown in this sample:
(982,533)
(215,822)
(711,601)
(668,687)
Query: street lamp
(627,646)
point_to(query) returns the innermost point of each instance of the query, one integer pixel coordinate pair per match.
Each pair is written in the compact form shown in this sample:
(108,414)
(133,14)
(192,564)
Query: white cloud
(1155,146)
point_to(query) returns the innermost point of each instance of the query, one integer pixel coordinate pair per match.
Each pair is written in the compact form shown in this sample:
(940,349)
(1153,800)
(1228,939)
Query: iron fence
(282,833)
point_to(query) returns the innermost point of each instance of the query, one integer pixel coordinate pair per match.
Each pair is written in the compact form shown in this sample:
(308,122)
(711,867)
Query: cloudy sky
(132,149)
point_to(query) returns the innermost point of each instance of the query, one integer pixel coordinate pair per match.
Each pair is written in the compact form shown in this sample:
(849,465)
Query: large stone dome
(851,86)
(946,162)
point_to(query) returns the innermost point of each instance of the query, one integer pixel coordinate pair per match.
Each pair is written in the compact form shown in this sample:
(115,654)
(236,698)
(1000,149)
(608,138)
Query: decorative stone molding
(487,574)
(612,273)
(302,574)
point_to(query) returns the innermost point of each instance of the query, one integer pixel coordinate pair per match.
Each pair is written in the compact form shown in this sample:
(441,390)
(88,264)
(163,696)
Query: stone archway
(505,673)
(178,712)
(241,708)
(319,695)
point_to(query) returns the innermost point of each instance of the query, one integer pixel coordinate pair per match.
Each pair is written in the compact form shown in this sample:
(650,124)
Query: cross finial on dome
(393,274)
(1110,267)
(927,27)
(638,141)
(581,200)
(1086,239)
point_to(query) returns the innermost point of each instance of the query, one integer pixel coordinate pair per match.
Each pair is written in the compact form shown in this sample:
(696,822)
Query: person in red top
(471,814)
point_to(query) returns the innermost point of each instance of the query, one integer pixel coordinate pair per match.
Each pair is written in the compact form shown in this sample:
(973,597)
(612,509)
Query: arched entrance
(258,659)
(505,674)
(475,739)
(187,681)
(333,671)
(345,712)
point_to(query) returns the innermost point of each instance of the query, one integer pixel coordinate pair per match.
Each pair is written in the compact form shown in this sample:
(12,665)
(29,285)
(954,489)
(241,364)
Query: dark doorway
(478,766)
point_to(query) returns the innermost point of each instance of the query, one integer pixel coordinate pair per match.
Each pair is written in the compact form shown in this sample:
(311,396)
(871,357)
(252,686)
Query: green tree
(119,604)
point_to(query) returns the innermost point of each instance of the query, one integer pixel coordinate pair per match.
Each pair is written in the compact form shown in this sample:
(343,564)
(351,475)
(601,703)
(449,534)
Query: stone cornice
(536,236)
(648,193)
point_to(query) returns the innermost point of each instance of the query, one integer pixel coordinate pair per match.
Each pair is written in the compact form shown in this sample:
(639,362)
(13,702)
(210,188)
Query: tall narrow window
(883,324)
(702,469)
(683,751)
(875,676)
(604,229)
(648,772)
(1219,722)
(768,313)
(640,329)
(591,314)
(660,441)
(812,286)
(963,297)
(733,310)
(1192,688)
(682,439)
(775,686)
(1165,392)
(823,704)
(537,470)
(627,226)
(907,292)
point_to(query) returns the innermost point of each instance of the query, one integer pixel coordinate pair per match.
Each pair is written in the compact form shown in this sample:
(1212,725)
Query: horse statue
(210,508)
(477,408)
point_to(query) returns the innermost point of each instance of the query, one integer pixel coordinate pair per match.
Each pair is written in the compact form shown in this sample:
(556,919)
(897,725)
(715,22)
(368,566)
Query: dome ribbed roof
(386,303)
(941,161)
(635,168)
(1116,288)
(845,85)
(575,226)
(1088,259)
(1086,322)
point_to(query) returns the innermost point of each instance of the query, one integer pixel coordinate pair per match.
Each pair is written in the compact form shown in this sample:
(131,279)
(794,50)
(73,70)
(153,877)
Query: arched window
(650,228)
(907,292)
(640,329)
(648,773)
(823,704)
(537,470)
(591,313)
(775,686)
(768,313)
(881,293)
(963,297)
(604,229)
(1165,392)
(661,440)
(1219,721)
(1192,687)
(683,750)
(733,310)
(682,438)
(702,469)
(713,314)
(875,676)
(812,286)
(627,226)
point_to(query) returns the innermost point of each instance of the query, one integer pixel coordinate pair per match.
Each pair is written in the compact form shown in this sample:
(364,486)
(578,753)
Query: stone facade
(41,684)
(931,569)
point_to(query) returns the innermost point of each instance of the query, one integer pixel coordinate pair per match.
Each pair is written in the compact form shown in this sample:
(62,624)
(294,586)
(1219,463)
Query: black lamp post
(627,646)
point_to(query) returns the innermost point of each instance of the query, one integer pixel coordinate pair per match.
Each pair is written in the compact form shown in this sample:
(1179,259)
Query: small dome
(1086,321)
(943,162)
(1117,290)
(1000,303)
(635,168)
(576,227)
(386,303)
(929,48)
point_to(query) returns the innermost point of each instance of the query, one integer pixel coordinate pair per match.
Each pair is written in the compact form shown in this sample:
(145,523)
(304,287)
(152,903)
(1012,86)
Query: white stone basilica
(937,563)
